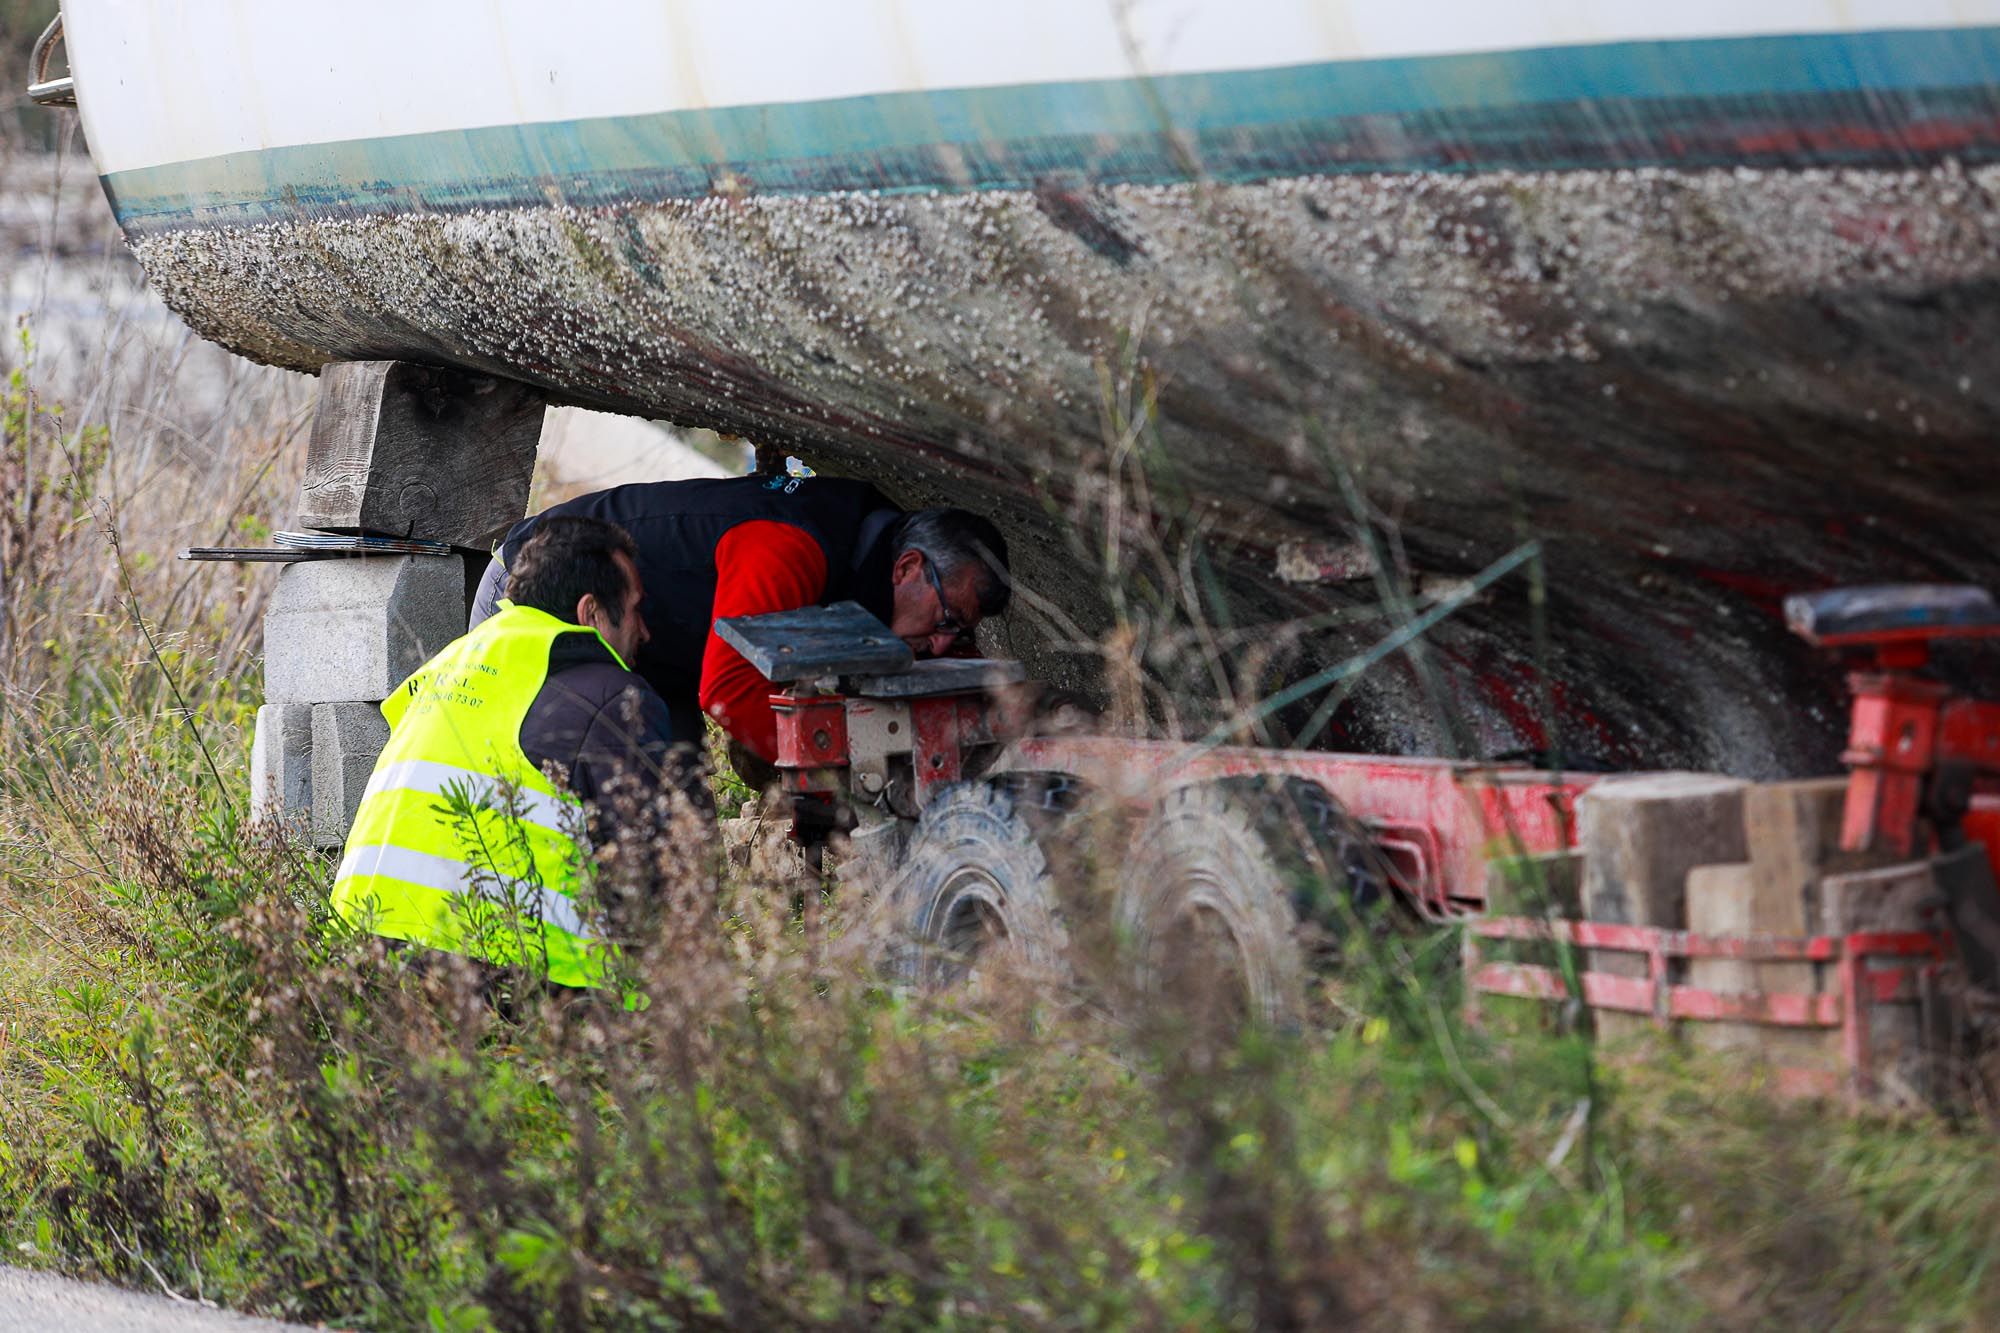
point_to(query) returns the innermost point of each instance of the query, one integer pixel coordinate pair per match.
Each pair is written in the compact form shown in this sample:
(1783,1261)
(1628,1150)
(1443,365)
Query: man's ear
(906,565)
(586,610)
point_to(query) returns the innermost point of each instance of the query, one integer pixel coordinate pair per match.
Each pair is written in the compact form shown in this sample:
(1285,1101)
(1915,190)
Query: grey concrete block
(341,630)
(1641,835)
(347,738)
(281,764)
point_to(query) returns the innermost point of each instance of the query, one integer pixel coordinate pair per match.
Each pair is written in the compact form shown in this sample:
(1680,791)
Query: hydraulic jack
(867,734)
(1922,755)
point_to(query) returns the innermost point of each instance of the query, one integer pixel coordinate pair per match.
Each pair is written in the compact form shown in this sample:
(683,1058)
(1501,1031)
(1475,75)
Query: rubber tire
(1251,858)
(974,875)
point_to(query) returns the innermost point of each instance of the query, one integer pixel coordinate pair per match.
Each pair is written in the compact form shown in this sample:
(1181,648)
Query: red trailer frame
(1438,823)
(1666,1001)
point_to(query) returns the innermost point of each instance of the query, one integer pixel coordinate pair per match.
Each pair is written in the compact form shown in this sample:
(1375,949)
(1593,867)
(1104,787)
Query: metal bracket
(939,675)
(878,733)
(43,90)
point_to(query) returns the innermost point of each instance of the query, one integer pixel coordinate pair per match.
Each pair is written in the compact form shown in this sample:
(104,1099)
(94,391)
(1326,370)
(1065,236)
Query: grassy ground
(206,1086)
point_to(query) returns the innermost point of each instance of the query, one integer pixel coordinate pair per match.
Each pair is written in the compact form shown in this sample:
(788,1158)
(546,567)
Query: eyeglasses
(948,621)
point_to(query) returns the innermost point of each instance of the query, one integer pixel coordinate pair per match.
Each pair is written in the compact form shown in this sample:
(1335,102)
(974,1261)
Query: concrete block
(281,764)
(342,630)
(1897,897)
(1640,836)
(347,738)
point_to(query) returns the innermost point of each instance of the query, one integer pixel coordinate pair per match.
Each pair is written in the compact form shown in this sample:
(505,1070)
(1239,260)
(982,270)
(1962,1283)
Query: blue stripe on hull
(1870,98)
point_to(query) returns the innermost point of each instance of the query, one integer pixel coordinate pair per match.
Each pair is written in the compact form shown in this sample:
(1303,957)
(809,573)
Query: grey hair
(958,539)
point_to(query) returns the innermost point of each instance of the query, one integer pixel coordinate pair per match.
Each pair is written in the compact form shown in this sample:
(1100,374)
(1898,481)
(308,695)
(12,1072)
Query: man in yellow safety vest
(463,842)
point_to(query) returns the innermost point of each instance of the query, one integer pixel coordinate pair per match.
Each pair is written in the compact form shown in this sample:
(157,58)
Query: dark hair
(566,556)
(957,539)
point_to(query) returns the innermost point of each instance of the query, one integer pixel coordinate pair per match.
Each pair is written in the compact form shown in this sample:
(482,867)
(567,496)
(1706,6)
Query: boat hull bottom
(1699,390)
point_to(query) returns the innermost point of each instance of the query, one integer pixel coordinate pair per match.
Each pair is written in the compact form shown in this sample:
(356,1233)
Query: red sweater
(760,566)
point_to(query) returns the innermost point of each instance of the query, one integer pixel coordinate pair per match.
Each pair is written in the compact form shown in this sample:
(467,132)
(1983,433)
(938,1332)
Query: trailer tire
(1244,883)
(974,880)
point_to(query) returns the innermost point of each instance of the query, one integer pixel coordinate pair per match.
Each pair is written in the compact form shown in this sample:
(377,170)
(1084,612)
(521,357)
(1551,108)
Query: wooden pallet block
(1725,900)
(1902,897)
(1640,836)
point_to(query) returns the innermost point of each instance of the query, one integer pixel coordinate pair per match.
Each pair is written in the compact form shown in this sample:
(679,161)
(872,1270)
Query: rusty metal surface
(811,730)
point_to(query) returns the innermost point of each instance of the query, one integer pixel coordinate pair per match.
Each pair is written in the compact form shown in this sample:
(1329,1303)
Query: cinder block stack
(338,636)
(281,763)
(396,450)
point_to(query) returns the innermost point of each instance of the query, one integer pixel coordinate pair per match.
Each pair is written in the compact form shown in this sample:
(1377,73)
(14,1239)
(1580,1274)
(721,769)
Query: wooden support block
(419,451)
(1640,836)
(1718,903)
(1722,900)
(1902,897)
(1792,830)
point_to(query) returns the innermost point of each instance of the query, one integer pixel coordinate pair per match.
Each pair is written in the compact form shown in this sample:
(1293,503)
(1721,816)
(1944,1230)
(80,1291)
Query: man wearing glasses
(742,546)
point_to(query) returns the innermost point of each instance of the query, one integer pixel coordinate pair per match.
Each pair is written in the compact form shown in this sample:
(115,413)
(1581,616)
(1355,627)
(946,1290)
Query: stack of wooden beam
(1721,857)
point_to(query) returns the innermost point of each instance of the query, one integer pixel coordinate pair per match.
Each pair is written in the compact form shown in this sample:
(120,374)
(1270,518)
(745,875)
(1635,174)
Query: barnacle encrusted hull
(1700,390)
(1711,319)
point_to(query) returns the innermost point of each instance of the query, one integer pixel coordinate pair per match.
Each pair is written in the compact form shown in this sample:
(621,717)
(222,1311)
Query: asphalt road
(39,1303)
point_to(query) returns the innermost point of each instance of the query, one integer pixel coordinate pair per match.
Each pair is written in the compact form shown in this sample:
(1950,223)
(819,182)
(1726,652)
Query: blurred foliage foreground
(205,1087)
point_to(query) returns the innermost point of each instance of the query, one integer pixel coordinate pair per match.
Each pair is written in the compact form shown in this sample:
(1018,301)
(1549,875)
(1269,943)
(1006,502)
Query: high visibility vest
(495,878)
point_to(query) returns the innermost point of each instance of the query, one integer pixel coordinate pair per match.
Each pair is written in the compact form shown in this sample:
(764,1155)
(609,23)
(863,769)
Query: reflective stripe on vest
(435,779)
(460,843)
(462,878)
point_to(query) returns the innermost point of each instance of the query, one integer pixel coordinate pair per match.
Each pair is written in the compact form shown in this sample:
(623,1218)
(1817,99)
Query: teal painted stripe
(1044,127)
